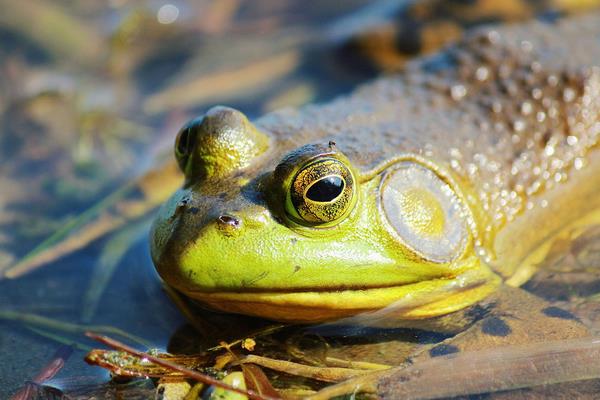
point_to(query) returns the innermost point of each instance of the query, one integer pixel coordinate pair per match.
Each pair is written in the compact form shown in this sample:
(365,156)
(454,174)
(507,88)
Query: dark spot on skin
(484,396)
(259,277)
(194,210)
(297,268)
(293,240)
(495,326)
(555,312)
(427,337)
(442,350)
(479,312)
(180,208)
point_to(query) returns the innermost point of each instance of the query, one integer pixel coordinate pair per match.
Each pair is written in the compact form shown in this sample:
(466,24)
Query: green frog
(422,200)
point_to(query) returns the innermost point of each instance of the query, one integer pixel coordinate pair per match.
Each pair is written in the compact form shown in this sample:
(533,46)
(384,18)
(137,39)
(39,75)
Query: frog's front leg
(508,317)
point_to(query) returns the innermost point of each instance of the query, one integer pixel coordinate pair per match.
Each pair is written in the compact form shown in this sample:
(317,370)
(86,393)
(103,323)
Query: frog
(397,34)
(422,200)
(448,183)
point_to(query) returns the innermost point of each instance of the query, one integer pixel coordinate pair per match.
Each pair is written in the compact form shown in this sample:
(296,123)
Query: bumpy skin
(506,121)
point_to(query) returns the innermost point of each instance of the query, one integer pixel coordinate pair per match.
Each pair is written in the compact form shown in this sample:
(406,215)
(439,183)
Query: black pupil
(326,189)
(183,144)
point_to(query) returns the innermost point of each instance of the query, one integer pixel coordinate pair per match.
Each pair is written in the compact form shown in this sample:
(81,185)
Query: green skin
(242,235)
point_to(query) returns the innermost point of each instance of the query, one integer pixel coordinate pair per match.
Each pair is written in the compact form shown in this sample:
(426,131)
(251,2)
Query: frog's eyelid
(303,156)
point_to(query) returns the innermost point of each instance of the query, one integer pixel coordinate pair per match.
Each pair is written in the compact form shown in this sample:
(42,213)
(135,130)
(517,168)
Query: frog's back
(513,112)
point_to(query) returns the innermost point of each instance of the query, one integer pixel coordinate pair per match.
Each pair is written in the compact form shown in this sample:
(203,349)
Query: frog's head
(301,235)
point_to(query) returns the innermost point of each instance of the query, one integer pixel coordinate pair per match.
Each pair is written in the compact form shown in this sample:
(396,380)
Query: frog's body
(436,186)
(402,34)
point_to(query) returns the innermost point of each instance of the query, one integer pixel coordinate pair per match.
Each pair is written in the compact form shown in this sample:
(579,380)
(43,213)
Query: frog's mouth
(405,302)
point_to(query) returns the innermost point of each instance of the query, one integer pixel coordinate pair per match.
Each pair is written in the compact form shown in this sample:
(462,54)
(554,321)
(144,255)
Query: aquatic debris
(235,379)
(256,380)
(123,364)
(248,344)
(48,372)
(191,374)
(177,389)
(326,374)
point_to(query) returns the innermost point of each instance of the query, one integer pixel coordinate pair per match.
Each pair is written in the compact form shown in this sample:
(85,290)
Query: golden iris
(322,192)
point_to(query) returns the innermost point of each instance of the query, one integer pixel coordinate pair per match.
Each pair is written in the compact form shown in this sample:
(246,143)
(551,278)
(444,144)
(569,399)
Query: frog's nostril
(229,221)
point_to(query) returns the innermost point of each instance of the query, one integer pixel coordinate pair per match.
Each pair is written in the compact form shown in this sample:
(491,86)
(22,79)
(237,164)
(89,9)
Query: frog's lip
(410,301)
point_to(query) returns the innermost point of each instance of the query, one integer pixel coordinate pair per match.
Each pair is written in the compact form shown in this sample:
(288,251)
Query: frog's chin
(415,301)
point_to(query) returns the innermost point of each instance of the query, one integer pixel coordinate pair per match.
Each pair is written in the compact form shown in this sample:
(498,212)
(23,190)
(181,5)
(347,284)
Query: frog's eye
(185,142)
(322,192)
(425,212)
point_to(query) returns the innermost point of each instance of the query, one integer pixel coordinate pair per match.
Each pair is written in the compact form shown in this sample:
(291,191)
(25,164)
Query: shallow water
(83,113)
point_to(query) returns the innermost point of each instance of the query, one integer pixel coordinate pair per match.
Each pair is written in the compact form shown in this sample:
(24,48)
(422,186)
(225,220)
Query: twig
(48,372)
(325,374)
(175,367)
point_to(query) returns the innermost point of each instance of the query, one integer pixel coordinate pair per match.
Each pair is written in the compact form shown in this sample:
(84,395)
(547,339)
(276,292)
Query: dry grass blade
(69,327)
(62,35)
(336,362)
(257,380)
(176,367)
(49,371)
(123,206)
(325,374)
(223,85)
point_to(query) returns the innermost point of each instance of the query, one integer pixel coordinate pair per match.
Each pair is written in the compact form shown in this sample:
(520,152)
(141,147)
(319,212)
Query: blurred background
(92,95)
